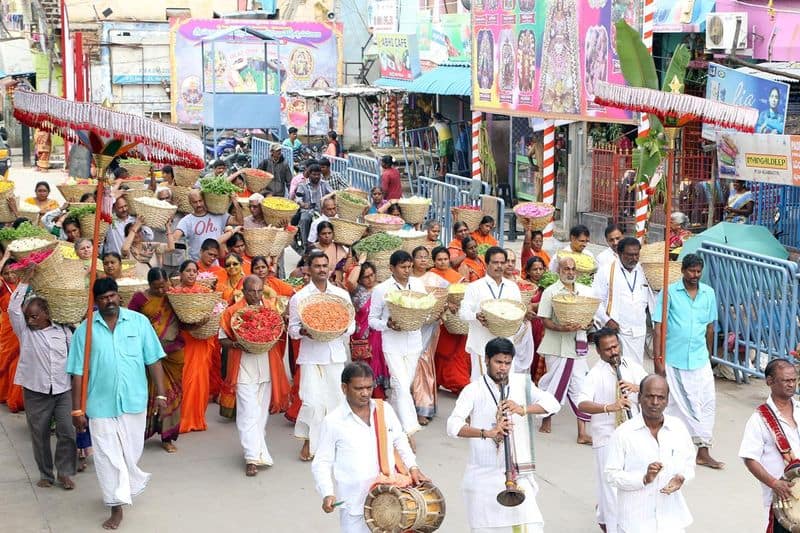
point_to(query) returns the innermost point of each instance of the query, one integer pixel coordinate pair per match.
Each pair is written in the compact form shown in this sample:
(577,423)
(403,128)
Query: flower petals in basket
(468,214)
(414,210)
(278,211)
(21,248)
(156,213)
(409,310)
(440,293)
(326,317)
(383,222)
(193,306)
(350,206)
(127,287)
(534,215)
(257,328)
(575,309)
(256,179)
(503,316)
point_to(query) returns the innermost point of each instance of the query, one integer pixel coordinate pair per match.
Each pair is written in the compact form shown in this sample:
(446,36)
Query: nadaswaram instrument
(627,410)
(392,509)
(788,512)
(511,496)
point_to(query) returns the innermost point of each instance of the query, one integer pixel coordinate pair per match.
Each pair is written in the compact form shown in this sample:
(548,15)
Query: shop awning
(391,83)
(446,80)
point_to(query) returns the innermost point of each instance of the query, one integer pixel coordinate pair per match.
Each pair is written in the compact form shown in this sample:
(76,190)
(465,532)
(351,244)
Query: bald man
(200,225)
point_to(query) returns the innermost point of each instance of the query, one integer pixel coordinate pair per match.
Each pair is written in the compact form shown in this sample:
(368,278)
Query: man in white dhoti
(401,349)
(321,362)
(253,381)
(650,458)
(613,235)
(610,402)
(476,417)
(564,347)
(493,286)
(624,297)
(356,448)
(123,343)
(691,314)
(771,441)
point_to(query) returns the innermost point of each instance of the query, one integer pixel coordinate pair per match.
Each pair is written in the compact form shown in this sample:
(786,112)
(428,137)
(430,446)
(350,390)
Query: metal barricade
(757,307)
(443,197)
(362,180)
(260,150)
(769,199)
(338,164)
(420,152)
(364,163)
(470,192)
(496,208)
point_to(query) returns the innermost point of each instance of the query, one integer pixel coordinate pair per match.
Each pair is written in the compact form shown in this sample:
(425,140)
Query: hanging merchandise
(376,122)
(400,104)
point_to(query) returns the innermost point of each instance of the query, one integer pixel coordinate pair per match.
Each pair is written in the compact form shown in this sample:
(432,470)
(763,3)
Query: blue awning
(392,83)
(448,79)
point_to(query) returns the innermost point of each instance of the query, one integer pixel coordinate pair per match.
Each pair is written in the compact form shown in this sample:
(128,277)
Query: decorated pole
(477,116)
(548,176)
(642,199)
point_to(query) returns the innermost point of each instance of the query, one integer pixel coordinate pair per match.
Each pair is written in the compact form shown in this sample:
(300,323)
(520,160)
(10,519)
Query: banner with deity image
(543,57)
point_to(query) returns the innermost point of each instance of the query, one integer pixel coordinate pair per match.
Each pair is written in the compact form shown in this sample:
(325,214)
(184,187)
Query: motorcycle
(226,144)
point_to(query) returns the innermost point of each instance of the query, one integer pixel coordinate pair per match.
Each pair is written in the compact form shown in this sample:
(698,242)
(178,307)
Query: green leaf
(677,68)
(636,62)
(112,147)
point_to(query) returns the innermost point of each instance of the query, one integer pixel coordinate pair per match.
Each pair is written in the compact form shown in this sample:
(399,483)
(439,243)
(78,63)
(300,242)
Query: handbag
(360,350)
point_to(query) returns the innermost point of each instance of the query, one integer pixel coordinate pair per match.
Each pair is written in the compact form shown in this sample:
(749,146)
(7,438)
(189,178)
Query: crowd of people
(148,375)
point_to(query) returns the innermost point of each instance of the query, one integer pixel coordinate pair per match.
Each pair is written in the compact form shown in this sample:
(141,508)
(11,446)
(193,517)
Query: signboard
(737,88)
(673,16)
(399,55)
(307,56)
(760,157)
(448,41)
(542,58)
(382,16)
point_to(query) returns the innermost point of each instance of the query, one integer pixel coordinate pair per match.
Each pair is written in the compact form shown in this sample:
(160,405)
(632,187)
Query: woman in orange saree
(483,233)
(472,267)
(154,305)
(198,357)
(451,359)
(9,349)
(460,232)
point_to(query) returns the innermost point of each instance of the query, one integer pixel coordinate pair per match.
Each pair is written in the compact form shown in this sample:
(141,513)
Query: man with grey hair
(328,212)
(256,217)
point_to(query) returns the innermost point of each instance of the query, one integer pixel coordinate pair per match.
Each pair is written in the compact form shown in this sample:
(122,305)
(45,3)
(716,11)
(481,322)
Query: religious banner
(543,58)
(761,157)
(305,55)
(399,55)
(733,87)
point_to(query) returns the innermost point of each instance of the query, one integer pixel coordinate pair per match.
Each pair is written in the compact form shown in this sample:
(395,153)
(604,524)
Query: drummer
(347,462)
(774,424)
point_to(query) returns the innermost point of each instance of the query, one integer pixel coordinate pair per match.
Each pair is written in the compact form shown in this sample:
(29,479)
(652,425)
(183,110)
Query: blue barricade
(361,179)
(476,192)
(338,164)
(783,199)
(757,307)
(443,196)
(364,163)
(260,148)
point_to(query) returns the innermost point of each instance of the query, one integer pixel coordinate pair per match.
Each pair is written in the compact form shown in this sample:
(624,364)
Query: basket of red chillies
(325,316)
(193,304)
(257,328)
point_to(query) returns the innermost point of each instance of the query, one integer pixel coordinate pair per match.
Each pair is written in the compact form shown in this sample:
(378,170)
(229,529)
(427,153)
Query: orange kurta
(9,354)
(451,359)
(483,239)
(198,358)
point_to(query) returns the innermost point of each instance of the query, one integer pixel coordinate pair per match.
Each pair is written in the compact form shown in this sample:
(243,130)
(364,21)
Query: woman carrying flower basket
(153,304)
(483,233)
(9,349)
(472,267)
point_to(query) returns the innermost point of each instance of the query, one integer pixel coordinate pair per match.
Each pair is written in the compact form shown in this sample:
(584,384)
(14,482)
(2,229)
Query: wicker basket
(534,223)
(193,307)
(455,298)
(57,272)
(135,184)
(126,292)
(580,269)
(87,227)
(325,336)
(180,196)
(375,226)
(408,319)
(73,193)
(258,241)
(283,238)
(349,210)
(277,217)
(137,168)
(217,204)
(256,179)
(28,211)
(185,177)
(526,296)
(77,205)
(5,212)
(154,217)
(441,301)
(453,324)
(210,328)
(67,306)
(51,244)
(654,272)
(652,253)
(211,283)
(574,308)
(132,194)
(347,232)
(414,212)
(251,347)
(359,193)
(471,217)
(499,326)
(410,243)
(48,271)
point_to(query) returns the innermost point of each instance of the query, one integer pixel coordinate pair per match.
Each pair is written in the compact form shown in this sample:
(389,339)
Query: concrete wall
(147,10)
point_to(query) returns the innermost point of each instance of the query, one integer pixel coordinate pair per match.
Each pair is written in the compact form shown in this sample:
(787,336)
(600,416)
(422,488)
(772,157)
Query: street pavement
(202,488)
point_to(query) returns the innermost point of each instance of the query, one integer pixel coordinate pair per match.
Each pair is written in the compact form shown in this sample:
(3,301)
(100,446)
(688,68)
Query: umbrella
(746,237)
(107,134)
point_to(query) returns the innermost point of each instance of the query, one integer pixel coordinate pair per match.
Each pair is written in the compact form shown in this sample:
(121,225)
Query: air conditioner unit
(720,30)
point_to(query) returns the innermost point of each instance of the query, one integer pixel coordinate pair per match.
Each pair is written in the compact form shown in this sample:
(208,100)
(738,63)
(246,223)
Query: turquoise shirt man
(117,378)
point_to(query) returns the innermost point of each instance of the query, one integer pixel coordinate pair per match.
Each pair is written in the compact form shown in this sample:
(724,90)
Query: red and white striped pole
(477,116)
(548,175)
(644,124)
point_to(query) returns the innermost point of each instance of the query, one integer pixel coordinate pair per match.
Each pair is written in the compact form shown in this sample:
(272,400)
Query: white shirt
(116,234)
(568,248)
(197,229)
(606,257)
(314,352)
(630,298)
(253,367)
(397,342)
(486,467)
(478,292)
(600,386)
(642,508)
(312,232)
(558,343)
(346,463)
(759,444)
